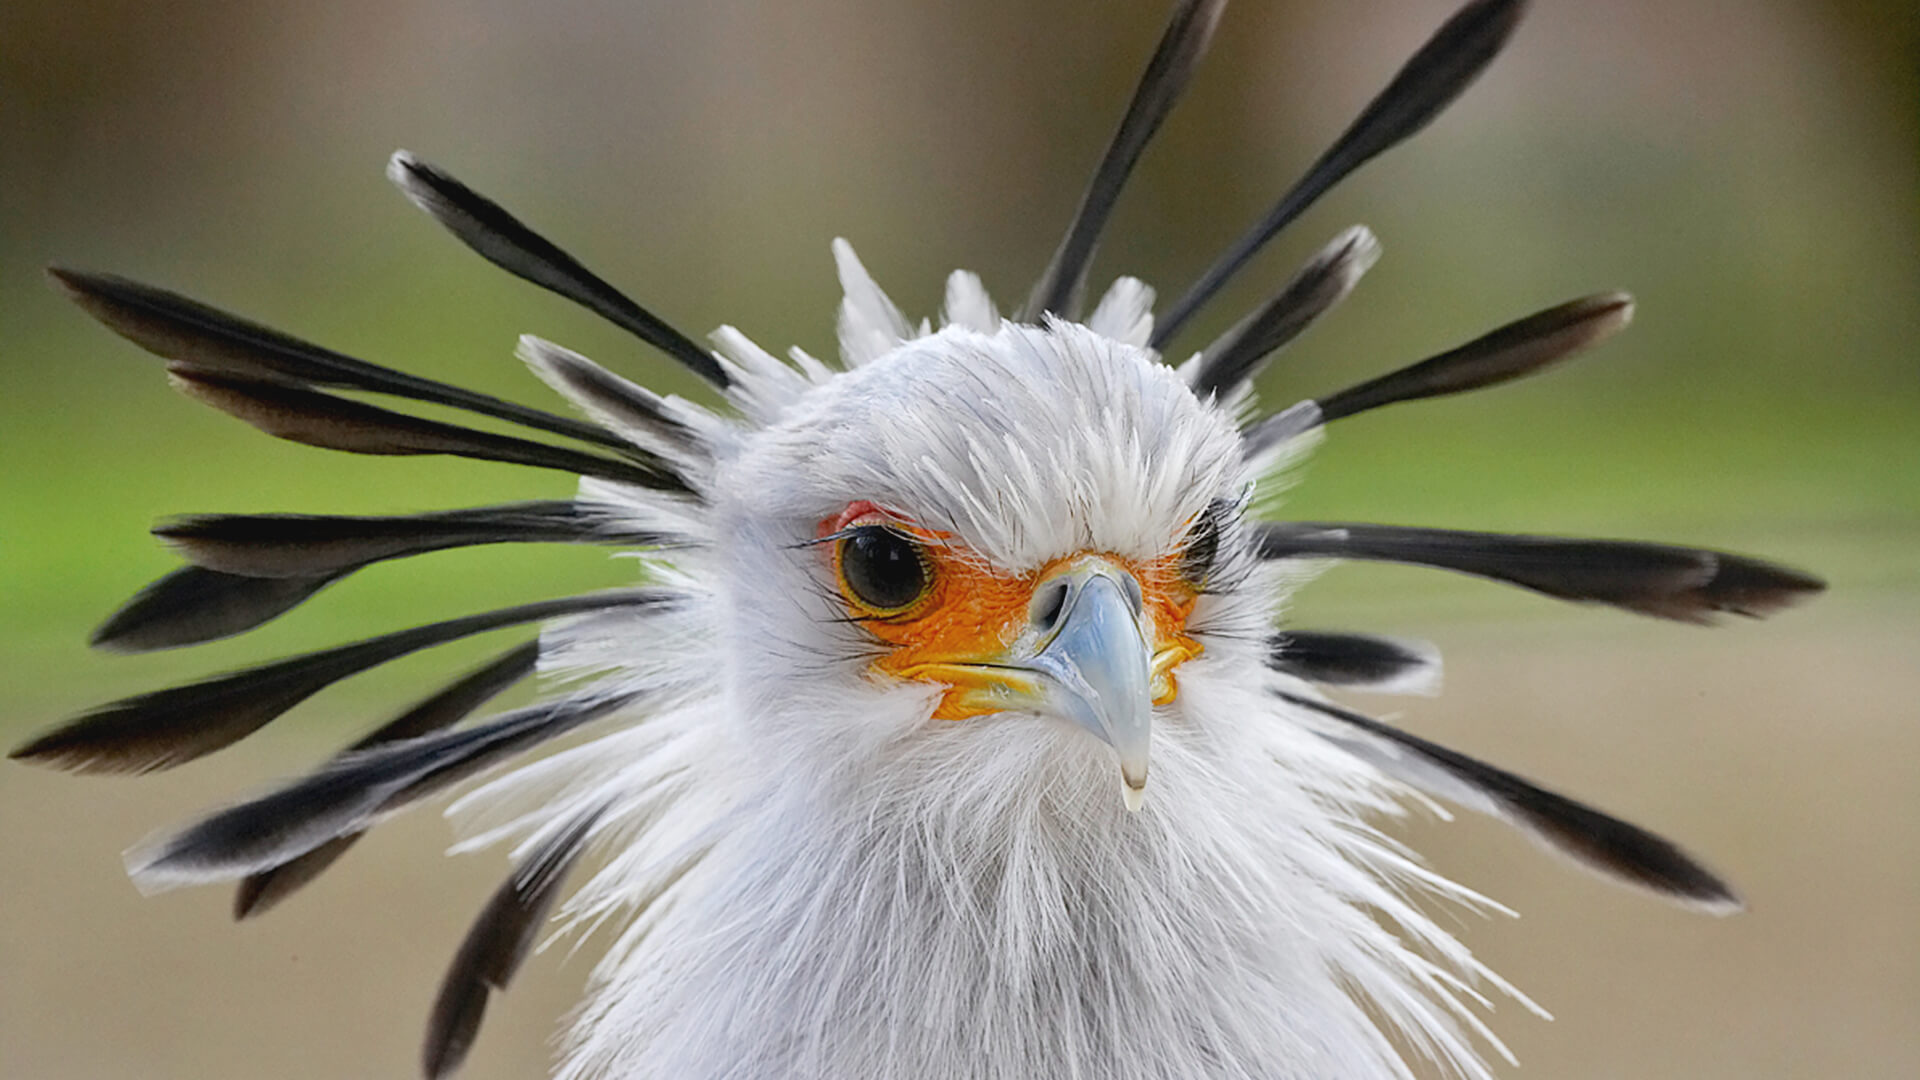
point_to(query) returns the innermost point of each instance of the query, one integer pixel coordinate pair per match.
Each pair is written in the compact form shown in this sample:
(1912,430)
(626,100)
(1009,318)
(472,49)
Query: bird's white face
(1053,567)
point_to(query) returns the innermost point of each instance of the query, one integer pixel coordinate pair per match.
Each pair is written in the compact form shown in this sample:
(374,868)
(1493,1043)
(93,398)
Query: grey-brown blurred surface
(1750,170)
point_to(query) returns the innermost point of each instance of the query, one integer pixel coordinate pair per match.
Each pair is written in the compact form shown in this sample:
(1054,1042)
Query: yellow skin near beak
(1093,639)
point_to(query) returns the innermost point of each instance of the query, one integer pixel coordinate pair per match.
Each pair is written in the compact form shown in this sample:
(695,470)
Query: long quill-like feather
(336,423)
(192,605)
(1357,660)
(445,708)
(1513,351)
(165,728)
(1680,583)
(1237,356)
(503,240)
(498,943)
(1181,47)
(304,545)
(349,793)
(188,332)
(1614,848)
(1427,84)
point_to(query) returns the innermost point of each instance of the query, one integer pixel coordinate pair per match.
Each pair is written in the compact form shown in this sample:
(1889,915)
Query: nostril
(1047,605)
(1132,588)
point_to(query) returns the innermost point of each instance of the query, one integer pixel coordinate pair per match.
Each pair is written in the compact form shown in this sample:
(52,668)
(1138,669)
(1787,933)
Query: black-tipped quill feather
(1237,356)
(1185,41)
(1516,349)
(1427,84)
(254,568)
(193,605)
(617,402)
(208,339)
(1513,351)
(165,728)
(337,423)
(349,793)
(1604,843)
(506,242)
(1359,660)
(443,709)
(1685,584)
(304,545)
(498,944)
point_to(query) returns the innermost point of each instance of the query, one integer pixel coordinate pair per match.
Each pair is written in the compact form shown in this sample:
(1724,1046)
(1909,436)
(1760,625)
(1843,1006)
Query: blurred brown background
(1751,170)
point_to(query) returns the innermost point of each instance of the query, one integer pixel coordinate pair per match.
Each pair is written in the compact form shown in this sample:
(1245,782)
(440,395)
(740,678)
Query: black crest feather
(1427,84)
(349,793)
(1181,47)
(498,943)
(1358,660)
(169,727)
(304,545)
(1600,841)
(503,240)
(1510,352)
(617,402)
(207,339)
(336,423)
(1238,355)
(192,605)
(445,708)
(1680,583)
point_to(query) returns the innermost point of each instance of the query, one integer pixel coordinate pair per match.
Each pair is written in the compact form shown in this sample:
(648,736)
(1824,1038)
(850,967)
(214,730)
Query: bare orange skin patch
(971,613)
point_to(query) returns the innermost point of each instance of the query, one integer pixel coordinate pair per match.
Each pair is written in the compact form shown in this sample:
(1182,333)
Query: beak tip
(1134,796)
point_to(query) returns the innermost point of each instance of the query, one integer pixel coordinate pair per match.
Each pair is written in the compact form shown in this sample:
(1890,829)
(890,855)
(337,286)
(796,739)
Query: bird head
(983,529)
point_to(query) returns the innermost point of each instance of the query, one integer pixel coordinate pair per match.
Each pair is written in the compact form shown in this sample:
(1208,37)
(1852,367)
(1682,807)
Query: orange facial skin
(972,613)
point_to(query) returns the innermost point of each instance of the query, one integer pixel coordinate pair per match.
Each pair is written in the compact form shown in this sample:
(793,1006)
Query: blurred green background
(1750,171)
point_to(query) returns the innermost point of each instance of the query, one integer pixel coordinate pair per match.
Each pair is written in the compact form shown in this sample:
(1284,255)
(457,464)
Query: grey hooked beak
(1097,663)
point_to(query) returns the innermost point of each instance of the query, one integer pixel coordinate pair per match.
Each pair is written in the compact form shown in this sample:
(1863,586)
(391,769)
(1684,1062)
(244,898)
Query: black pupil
(882,568)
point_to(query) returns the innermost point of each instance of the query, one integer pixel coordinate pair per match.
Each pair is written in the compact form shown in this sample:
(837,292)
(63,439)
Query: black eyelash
(1200,551)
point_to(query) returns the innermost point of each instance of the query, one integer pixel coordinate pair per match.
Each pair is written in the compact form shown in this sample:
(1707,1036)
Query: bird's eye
(881,571)
(1202,547)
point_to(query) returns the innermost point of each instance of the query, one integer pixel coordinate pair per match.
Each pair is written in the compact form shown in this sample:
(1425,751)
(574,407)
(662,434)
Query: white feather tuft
(968,304)
(870,325)
(1125,313)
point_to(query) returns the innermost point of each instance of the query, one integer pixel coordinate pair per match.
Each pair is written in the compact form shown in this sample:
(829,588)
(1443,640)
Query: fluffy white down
(805,876)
